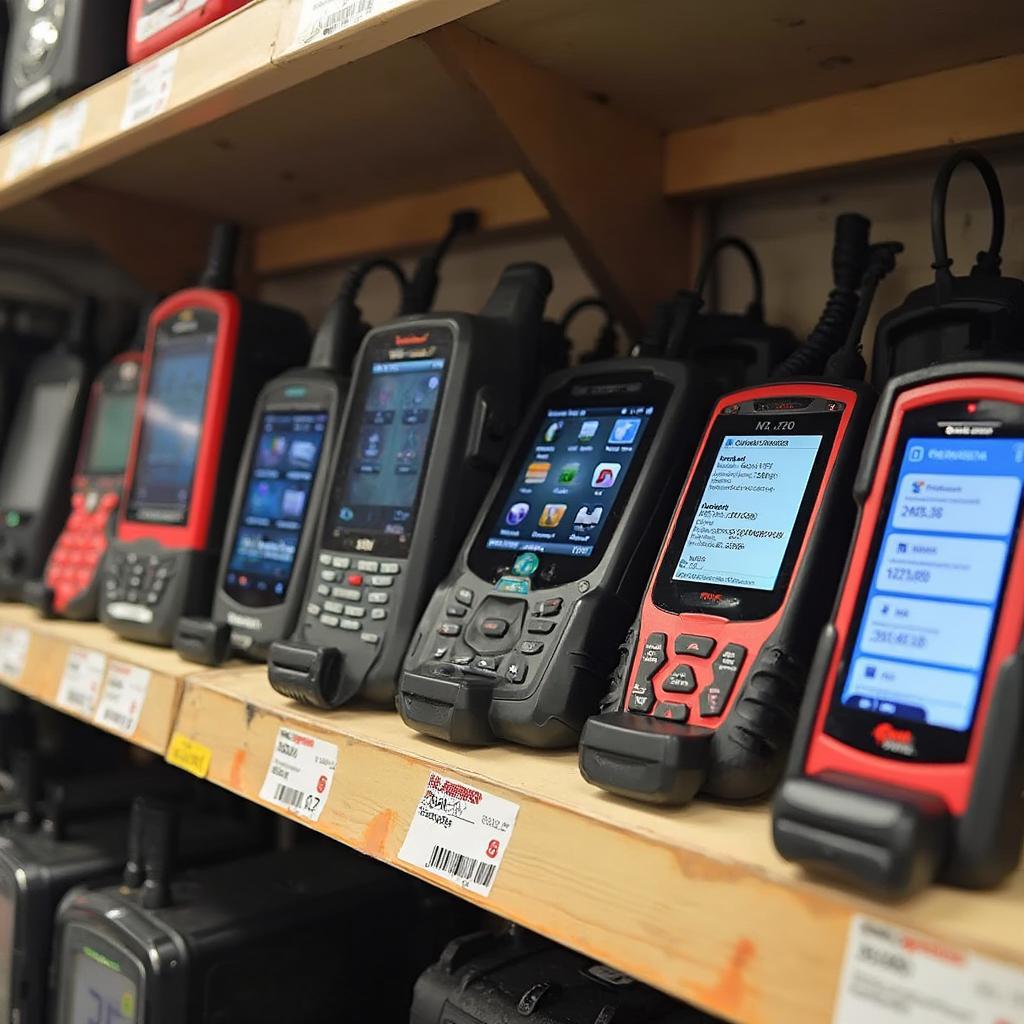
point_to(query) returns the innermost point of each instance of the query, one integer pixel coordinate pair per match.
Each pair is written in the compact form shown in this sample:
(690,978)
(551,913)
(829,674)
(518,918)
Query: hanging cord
(850,256)
(988,260)
(419,293)
(688,304)
(604,347)
(848,363)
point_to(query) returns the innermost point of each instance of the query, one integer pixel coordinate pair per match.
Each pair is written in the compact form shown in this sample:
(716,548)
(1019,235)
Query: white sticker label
(81,680)
(123,698)
(65,134)
(26,151)
(322,18)
(163,17)
(300,774)
(894,976)
(149,89)
(14,641)
(459,833)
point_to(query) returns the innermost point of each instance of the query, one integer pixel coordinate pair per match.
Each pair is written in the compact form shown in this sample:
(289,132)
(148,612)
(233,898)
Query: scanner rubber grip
(203,641)
(307,672)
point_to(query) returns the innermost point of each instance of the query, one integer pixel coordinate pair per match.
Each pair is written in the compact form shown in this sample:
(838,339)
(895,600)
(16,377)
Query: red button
(108,501)
(77,500)
(355,579)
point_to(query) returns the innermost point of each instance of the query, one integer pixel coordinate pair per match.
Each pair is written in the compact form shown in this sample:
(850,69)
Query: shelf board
(52,640)
(695,901)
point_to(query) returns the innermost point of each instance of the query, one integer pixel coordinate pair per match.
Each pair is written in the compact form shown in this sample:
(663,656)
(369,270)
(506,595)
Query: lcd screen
(926,626)
(110,434)
(100,993)
(745,517)
(568,484)
(280,479)
(387,448)
(172,420)
(40,428)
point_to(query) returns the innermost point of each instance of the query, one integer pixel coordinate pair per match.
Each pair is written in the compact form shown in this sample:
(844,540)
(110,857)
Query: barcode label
(81,680)
(300,774)
(322,18)
(14,641)
(124,697)
(26,150)
(459,833)
(149,90)
(65,134)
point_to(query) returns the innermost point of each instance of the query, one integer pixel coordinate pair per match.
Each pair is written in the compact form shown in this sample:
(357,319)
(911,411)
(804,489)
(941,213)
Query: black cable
(756,307)
(988,260)
(421,289)
(604,347)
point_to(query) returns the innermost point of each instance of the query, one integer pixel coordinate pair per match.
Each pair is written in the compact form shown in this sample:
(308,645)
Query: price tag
(14,641)
(322,18)
(149,89)
(65,134)
(894,976)
(459,833)
(26,151)
(300,774)
(123,698)
(81,680)
(188,754)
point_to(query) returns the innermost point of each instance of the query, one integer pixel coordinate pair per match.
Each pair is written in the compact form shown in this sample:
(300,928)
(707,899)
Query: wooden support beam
(505,202)
(598,172)
(163,247)
(979,103)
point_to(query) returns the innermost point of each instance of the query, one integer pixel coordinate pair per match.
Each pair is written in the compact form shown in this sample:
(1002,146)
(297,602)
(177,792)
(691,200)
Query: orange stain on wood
(375,835)
(728,993)
(235,774)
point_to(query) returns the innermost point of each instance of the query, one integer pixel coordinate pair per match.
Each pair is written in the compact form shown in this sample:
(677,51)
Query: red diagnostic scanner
(154,25)
(909,759)
(207,355)
(717,661)
(70,585)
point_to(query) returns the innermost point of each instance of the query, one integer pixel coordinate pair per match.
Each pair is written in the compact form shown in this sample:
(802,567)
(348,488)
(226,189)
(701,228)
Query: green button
(513,585)
(12,519)
(525,564)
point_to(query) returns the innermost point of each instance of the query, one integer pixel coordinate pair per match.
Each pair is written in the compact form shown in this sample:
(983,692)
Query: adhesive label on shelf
(190,755)
(300,774)
(894,976)
(459,833)
(149,89)
(26,152)
(81,680)
(319,19)
(123,698)
(65,132)
(14,641)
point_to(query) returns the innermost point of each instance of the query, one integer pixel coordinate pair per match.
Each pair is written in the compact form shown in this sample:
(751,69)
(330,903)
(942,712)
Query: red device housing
(154,25)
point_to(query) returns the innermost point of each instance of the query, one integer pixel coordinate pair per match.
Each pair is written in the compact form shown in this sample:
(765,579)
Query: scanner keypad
(352,594)
(76,556)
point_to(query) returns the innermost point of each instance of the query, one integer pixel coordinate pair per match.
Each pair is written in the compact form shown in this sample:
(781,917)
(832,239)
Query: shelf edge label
(14,644)
(459,833)
(320,19)
(149,89)
(894,976)
(80,682)
(123,698)
(300,774)
(65,132)
(189,755)
(26,151)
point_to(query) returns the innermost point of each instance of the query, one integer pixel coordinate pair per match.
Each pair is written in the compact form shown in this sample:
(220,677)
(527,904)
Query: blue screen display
(276,503)
(927,623)
(742,526)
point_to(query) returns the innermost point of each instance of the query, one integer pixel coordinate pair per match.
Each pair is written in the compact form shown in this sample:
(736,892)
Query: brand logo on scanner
(412,339)
(893,740)
(245,621)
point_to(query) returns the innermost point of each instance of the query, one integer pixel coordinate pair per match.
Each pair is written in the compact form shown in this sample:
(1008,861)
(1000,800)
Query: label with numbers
(65,133)
(149,89)
(14,641)
(894,976)
(189,754)
(459,833)
(322,18)
(81,680)
(26,151)
(300,774)
(123,697)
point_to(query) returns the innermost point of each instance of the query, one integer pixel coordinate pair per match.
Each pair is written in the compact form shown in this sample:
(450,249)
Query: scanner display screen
(924,635)
(281,476)
(172,422)
(100,993)
(35,445)
(110,435)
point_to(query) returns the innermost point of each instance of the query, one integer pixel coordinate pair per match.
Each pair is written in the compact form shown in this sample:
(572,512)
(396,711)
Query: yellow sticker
(190,755)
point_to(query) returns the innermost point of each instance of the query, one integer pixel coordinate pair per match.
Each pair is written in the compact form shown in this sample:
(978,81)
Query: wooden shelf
(362,141)
(694,901)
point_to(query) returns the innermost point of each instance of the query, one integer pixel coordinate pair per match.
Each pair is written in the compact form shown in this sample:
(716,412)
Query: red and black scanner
(711,677)
(153,25)
(208,353)
(908,763)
